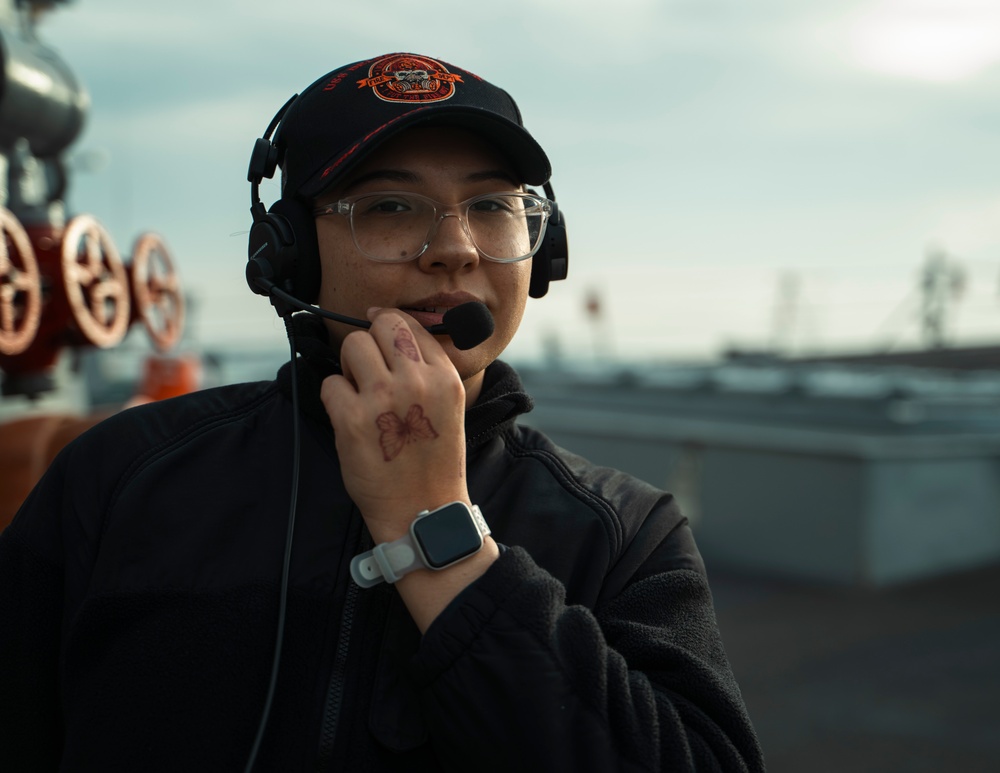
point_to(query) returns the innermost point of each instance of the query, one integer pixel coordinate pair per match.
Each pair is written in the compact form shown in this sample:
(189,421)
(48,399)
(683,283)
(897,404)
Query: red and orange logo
(410,79)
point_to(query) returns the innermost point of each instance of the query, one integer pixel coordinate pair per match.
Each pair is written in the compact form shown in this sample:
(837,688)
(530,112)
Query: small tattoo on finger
(406,346)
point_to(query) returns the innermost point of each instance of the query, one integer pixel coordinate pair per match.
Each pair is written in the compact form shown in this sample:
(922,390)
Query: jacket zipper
(335,690)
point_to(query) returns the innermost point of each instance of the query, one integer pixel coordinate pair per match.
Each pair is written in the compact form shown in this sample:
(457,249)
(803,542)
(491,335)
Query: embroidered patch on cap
(410,79)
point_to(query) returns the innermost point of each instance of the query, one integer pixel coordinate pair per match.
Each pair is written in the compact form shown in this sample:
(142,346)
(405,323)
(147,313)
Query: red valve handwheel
(96,282)
(156,291)
(20,287)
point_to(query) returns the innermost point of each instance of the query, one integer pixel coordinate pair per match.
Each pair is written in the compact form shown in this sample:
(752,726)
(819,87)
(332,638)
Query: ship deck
(903,679)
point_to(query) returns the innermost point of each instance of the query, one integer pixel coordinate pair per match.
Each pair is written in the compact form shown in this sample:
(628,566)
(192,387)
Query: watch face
(447,535)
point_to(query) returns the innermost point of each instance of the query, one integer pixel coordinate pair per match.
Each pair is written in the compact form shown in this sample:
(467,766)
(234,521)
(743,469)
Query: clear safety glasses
(394,226)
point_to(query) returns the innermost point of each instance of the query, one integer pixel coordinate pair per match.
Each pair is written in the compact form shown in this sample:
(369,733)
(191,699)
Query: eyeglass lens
(397,226)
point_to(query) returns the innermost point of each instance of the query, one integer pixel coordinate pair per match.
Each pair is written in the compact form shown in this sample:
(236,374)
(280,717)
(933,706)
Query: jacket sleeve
(31,610)
(640,683)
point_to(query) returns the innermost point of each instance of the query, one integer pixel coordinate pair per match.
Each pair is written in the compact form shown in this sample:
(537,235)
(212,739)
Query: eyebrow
(406,176)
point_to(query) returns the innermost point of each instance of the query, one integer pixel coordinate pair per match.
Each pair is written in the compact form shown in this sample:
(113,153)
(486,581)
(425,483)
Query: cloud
(969,227)
(940,41)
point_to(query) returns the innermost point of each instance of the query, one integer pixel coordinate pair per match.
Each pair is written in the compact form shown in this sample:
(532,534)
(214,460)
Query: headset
(283,252)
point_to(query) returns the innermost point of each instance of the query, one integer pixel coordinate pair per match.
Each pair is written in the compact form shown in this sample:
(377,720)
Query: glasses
(394,226)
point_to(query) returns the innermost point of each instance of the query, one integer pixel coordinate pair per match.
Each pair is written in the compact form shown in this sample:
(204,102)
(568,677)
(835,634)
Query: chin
(471,362)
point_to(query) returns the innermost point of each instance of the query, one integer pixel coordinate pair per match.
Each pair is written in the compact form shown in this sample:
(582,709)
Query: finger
(342,403)
(393,331)
(362,361)
(426,344)
(338,396)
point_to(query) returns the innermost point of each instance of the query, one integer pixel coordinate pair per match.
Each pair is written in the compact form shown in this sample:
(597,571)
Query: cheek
(512,287)
(344,286)
(517,291)
(343,276)
(516,303)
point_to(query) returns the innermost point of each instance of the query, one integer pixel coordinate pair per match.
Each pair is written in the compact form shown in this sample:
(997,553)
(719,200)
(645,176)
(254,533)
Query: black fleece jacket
(139,599)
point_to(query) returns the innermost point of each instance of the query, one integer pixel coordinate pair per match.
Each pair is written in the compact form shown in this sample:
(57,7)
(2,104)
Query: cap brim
(513,141)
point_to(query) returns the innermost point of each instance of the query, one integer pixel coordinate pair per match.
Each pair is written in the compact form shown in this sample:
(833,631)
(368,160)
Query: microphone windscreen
(469,324)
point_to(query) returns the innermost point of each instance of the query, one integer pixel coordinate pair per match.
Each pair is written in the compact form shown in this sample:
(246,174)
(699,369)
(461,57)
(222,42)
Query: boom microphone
(468,324)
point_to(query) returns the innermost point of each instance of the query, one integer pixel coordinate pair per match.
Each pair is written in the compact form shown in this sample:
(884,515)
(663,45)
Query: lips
(426,316)
(430,311)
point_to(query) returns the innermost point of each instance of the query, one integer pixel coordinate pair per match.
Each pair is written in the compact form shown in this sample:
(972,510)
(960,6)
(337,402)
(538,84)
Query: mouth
(426,315)
(431,310)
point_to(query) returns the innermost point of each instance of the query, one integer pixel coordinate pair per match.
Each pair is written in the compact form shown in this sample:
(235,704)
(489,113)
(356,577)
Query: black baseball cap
(339,119)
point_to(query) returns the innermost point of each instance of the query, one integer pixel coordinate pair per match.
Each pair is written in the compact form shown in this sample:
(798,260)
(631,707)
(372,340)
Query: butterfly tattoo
(406,346)
(396,432)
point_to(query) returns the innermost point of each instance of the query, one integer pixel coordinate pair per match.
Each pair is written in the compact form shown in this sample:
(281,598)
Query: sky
(765,175)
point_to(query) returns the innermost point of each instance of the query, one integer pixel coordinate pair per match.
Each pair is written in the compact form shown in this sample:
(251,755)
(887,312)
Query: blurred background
(783,301)
(733,174)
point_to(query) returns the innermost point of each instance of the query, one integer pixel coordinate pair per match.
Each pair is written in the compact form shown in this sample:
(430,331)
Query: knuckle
(387,320)
(353,342)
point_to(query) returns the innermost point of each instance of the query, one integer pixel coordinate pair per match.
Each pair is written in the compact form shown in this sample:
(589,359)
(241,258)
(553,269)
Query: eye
(384,204)
(498,203)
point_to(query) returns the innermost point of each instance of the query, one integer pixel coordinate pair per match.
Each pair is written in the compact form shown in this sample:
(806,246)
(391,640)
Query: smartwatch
(436,540)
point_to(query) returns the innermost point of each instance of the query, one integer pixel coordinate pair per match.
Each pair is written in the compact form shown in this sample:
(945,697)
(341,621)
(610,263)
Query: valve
(20,287)
(156,293)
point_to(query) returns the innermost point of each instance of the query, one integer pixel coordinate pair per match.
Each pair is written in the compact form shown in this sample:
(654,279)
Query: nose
(451,247)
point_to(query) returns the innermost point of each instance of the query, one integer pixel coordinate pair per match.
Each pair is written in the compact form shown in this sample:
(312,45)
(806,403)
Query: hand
(398,413)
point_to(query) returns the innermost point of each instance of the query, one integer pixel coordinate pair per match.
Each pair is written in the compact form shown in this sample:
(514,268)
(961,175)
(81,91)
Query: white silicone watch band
(386,562)
(389,561)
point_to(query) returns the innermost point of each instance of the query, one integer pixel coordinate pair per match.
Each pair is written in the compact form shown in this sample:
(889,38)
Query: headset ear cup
(283,250)
(551,262)
(269,256)
(305,269)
